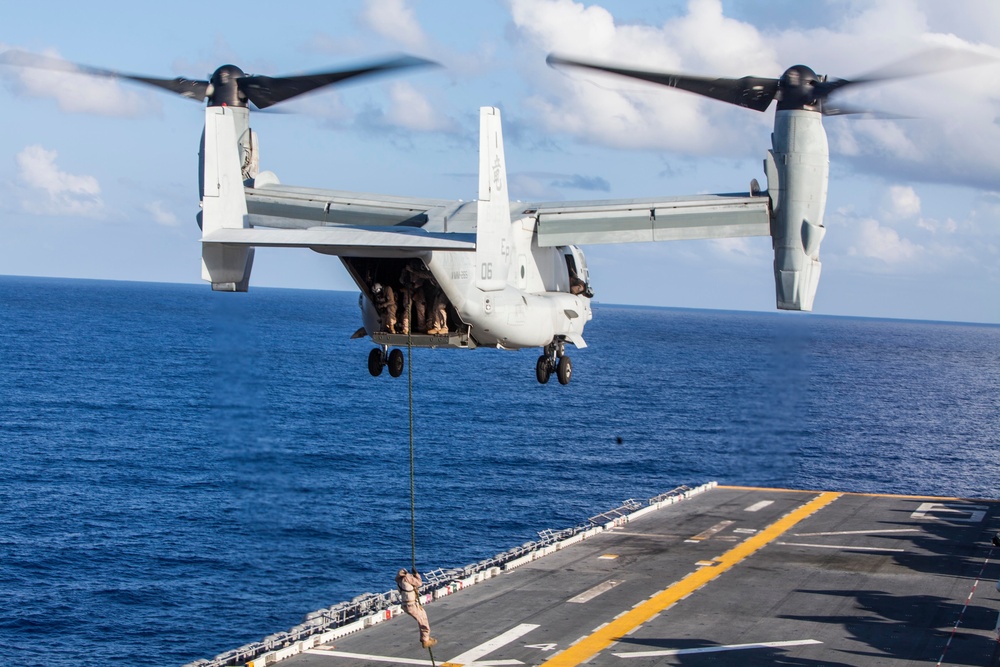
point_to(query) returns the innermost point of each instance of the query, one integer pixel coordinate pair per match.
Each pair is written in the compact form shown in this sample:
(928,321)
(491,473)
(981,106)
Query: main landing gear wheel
(396,362)
(376,360)
(553,360)
(565,370)
(543,369)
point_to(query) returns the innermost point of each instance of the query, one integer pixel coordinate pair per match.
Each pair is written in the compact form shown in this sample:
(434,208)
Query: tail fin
(493,226)
(223,201)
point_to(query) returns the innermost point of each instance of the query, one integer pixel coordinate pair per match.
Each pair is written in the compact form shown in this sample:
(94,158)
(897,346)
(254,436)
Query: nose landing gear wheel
(395,364)
(376,361)
(564,370)
(543,369)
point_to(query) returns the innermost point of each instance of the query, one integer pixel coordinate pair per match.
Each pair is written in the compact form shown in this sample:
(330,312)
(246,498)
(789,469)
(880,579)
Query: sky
(98,178)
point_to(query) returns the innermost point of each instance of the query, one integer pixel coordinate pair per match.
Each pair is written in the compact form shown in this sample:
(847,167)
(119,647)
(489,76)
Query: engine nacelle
(223,200)
(797,172)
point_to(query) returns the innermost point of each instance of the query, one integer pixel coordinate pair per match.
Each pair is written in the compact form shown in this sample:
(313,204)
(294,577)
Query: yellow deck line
(857,493)
(906,496)
(593,644)
(766,488)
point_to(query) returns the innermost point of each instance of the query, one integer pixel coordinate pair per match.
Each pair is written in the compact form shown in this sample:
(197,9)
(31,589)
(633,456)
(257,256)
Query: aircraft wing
(291,207)
(655,219)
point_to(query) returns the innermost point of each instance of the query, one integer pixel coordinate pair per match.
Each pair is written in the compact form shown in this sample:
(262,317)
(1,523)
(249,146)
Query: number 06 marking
(486,271)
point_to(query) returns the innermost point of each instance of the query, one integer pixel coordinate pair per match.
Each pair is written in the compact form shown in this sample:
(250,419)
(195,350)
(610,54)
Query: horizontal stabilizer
(301,208)
(343,240)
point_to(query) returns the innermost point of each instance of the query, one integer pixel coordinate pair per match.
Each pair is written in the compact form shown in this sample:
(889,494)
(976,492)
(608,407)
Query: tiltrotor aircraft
(490,271)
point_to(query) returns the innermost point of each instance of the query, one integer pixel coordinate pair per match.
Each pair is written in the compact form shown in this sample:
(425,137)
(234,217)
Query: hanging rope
(413,496)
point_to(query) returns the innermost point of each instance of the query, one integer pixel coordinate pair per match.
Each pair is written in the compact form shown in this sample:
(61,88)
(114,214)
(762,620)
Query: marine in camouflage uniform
(414,302)
(408,585)
(385,302)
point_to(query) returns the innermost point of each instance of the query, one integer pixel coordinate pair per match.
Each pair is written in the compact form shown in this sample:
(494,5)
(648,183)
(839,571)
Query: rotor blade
(191,89)
(932,61)
(751,92)
(270,111)
(837,109)
(264,91)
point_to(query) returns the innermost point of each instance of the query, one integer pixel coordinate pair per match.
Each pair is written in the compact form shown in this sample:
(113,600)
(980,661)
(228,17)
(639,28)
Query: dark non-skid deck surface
(731,576)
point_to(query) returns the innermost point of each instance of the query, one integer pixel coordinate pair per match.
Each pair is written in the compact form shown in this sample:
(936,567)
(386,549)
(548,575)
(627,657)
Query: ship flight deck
(733,575)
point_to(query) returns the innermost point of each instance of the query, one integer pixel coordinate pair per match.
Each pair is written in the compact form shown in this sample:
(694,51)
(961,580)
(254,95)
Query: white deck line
(474,654)
(717,649)
(756,507)
(592,593)
(366,656)
(842,547)
(860,532)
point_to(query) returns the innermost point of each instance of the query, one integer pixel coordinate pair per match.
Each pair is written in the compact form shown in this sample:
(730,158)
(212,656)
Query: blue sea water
(186,472)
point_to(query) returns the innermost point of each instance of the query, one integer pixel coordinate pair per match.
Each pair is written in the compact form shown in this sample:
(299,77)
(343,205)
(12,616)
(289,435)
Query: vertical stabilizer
(493,226)
(223,201)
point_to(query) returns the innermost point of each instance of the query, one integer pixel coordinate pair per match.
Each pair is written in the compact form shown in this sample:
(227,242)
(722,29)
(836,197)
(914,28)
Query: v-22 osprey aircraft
(497,272)
(491,271)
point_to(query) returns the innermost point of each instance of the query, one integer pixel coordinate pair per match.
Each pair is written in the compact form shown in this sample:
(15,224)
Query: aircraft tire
(396,362)
(375,362)
(542,369)
(564,370)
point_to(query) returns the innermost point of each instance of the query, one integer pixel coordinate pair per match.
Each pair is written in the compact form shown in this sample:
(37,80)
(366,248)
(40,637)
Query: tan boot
(429,642)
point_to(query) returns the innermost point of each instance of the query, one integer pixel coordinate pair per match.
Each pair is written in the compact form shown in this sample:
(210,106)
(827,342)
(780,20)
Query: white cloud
(76,92)
(947,226)
(619,112)
(57,192)
(903,202)
(329,107)
(528,187)
(740,249)
(160,214)
(394,20)
(411,110)
(877,138)
(885,243)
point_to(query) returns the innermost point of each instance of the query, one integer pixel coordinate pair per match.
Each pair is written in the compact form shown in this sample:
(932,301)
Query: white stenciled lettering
(497,172)
(951,512)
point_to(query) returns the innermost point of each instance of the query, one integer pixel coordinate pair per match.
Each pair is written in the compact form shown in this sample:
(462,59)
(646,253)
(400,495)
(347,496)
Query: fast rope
(413,495)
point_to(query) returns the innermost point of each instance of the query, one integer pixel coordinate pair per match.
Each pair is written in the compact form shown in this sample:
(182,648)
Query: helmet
(377,288)
(401,573)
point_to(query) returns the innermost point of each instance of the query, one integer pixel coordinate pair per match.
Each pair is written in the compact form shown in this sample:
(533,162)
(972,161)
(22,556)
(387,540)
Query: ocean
(186,472)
